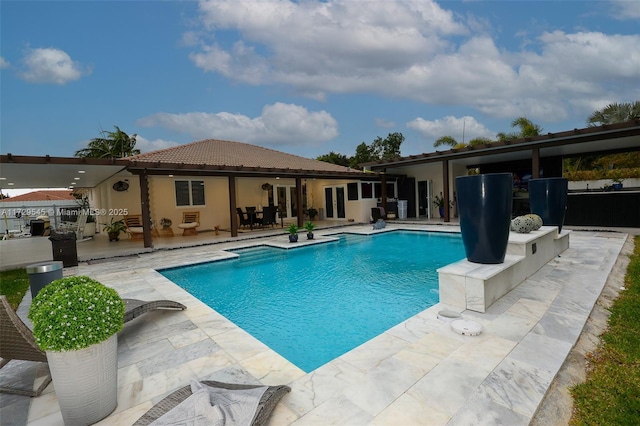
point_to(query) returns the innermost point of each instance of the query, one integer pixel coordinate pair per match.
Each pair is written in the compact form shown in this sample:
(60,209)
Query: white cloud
(415,49)
(4,63)
(457,127)
(626,9)
(146,145)
(381,122)
(279,124)
(50,65)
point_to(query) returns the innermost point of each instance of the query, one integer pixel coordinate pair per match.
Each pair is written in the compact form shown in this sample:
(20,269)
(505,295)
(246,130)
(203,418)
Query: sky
(307,77)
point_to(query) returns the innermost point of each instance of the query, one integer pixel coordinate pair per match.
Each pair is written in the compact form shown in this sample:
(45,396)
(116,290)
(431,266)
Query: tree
(380,149)
(615,113)
(445,140)
(611,114)
(388,148)
(111,145)
(527,129)
(334,158)
(364,154)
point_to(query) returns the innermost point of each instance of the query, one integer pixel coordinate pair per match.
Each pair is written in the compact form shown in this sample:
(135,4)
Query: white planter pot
(89,229)
(86,381)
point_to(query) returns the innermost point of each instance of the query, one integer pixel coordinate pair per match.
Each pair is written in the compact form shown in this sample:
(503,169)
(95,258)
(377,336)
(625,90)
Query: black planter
(309,235)
(484,207)
(293,238)
(548,199)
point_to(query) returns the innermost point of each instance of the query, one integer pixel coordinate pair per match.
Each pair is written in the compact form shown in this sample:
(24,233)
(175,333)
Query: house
(422,177)
(214,177)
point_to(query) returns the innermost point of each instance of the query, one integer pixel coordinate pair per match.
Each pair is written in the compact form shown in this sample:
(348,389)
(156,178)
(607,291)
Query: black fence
(615,208)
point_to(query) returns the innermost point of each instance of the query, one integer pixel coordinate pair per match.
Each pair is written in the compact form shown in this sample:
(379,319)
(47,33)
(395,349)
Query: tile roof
(213,152)
(45,195)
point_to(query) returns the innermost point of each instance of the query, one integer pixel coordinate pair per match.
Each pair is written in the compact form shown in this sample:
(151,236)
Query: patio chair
(244,220)
(268,216)
(134,307)
(17,343)
(134,226)
(267,402)
(190,221)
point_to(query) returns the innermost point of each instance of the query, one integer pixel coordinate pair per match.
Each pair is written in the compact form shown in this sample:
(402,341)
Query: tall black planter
(548,199)
(484,207)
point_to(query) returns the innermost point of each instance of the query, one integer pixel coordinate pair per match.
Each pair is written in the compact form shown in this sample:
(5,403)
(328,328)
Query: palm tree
(615,113)
(527,129)
(447,141)
(111,145)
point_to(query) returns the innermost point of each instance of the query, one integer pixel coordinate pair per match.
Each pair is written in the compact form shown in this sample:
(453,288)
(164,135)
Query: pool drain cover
(466,327)
(447,315)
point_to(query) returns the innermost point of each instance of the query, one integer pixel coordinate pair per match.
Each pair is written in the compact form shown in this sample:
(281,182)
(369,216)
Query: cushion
(196,410)
(188,225)
(136,229)
(238,406)
(267,402)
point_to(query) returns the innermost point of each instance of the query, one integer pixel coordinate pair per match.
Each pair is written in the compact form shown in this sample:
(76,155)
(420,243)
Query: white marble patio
(417,373)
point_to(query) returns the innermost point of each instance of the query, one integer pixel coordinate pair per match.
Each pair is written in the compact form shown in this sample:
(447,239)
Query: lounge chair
(190,221)
(134,307)
(17,343)
(267,403)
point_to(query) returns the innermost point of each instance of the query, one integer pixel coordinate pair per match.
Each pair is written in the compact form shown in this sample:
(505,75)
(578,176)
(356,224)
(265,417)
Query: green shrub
(74,313)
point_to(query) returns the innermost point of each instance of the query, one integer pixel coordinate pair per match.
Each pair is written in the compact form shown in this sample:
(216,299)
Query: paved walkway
(417,373)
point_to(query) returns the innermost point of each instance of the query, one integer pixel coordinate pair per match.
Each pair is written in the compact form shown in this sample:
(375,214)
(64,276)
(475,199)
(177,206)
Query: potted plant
(312,212)
(617,184)
(76,321)
(293,233)
(309,226)
(166,230)
(114,228)
(438,201)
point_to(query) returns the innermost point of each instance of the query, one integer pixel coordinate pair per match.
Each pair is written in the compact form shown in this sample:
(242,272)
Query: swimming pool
(315,303)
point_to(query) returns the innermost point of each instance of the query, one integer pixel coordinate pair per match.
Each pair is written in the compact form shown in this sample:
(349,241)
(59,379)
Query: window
(367,189)
(352,191)
(189,192)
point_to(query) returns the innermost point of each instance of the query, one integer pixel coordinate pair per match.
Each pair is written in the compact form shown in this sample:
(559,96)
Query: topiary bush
(74,313)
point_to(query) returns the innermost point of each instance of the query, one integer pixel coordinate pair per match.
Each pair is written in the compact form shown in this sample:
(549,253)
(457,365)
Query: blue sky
(307,77)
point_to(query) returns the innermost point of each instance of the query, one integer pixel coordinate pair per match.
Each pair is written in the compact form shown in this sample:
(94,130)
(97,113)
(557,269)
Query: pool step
(256,256)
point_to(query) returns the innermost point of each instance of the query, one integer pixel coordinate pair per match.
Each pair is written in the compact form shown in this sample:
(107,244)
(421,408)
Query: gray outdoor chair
(17,341)
(267,403)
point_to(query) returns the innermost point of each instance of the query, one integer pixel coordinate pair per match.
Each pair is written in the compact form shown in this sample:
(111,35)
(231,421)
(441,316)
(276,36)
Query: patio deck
(417,373)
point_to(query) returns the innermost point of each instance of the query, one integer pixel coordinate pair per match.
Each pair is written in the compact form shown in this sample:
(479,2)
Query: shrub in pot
(293,233)
(114,228)
(309,226)
(76,321)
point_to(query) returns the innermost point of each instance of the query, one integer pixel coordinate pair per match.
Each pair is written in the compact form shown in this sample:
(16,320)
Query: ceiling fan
(120,186)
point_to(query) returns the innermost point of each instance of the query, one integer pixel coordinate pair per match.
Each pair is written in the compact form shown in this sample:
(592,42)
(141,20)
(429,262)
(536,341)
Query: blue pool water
(315,303)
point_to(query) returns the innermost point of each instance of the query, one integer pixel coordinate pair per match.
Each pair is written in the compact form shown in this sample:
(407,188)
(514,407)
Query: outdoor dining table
(256,217)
